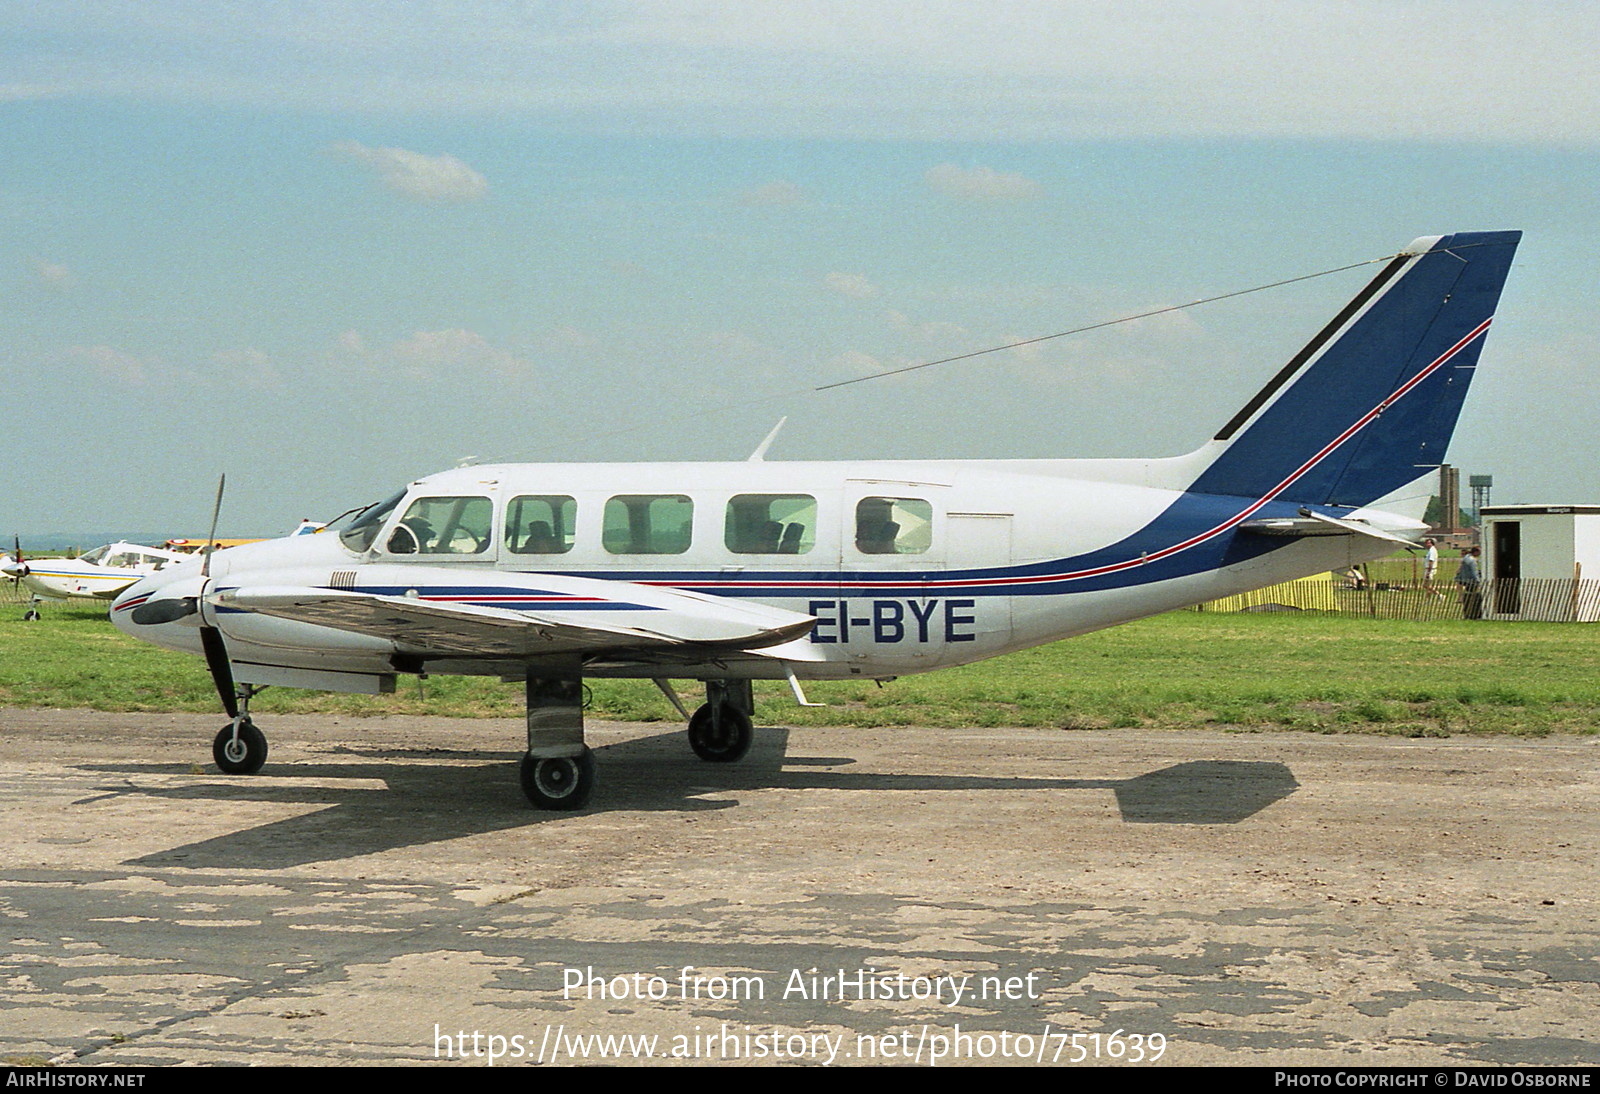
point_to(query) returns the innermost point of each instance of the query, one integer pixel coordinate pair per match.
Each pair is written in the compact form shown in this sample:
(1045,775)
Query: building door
(1507,567)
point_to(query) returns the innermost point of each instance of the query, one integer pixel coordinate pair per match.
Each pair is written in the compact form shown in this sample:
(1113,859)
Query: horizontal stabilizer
(1315,524)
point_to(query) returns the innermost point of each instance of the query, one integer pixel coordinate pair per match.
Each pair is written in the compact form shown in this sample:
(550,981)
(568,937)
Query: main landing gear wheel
(241,756)
(721,739)
(562,782)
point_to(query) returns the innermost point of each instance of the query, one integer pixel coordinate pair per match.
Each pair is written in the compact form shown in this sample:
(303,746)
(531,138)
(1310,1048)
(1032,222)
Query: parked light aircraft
(728,573)
(306,527)
(99,574)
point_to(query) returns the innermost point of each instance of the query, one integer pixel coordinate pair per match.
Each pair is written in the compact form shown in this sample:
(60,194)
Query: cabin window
(648,524)
(540,524)
(771,524)
(894,526)
(444,526)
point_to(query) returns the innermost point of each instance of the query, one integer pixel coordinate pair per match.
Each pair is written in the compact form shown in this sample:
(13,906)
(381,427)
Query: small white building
(1541,562)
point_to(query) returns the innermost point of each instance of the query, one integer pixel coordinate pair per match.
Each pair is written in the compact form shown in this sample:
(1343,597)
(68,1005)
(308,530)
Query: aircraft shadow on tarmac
(475,791)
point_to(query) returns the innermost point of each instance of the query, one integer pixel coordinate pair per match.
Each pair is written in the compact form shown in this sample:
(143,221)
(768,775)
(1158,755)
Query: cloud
(894,69)
(852,285)
(937,331)
(450,350)
(54,276)
(780,192)
(249,366)
(432,354)
(17,93)
(738,344)
(981,183)
(114,364)
(417,176)
(566,338)
(853,364)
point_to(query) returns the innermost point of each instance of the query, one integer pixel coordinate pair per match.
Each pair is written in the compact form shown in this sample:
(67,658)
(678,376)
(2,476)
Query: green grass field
(1186,670)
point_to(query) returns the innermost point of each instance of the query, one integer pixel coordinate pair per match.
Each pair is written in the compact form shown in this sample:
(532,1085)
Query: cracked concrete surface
(1252,899)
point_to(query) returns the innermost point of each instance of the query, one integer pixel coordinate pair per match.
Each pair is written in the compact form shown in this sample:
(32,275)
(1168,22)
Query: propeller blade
(216,650)
(211,540)
(221,672)
(153,612)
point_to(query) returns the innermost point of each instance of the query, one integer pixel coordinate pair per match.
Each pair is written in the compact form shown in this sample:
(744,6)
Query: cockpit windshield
(364,527)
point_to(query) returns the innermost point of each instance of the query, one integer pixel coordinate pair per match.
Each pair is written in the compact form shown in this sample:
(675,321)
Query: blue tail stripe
(1412,323)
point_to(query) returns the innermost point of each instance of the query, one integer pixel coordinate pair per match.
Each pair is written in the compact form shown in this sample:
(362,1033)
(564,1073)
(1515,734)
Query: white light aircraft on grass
(99,574)
(728,573)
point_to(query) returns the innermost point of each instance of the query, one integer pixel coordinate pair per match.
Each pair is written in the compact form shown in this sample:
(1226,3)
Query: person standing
(1430,566)
(1471,583)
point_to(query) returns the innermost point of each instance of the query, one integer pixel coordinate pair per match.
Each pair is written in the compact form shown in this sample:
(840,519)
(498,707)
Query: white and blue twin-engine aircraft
(728,573)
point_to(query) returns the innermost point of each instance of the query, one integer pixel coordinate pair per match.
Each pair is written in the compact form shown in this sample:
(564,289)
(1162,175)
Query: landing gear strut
(558,770)
(721,731)
(241,748)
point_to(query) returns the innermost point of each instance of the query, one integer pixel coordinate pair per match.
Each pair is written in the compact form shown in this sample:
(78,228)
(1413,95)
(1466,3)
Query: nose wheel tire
(241,755)
(720,740)
(562,782)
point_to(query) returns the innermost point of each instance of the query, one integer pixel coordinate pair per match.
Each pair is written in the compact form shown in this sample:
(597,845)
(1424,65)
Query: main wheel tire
(721,744)
(563,782)
(243,756)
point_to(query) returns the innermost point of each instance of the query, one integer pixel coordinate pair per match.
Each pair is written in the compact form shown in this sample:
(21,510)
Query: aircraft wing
(106,591)
(582,616)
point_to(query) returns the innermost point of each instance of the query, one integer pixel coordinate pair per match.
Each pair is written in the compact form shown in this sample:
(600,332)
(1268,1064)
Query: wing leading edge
(586,616)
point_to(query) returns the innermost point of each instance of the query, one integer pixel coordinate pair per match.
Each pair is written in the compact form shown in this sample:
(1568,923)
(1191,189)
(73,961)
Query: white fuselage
(906,566)
(98,575)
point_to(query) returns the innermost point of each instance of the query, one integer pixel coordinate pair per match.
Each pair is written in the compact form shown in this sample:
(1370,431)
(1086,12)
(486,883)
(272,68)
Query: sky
(330,246)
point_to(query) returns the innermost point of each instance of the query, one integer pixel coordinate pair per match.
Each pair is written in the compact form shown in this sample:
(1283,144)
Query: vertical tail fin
(1369,405)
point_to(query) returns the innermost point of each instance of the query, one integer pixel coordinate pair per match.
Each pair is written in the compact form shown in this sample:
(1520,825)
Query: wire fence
(16,601)
(1549,600)
(1400,588)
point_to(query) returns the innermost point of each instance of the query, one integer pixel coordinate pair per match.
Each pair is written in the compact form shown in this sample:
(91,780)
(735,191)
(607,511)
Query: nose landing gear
(240,748)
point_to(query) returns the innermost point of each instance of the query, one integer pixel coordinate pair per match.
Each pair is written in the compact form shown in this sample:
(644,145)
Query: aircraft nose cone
(145,589)
(151,602)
